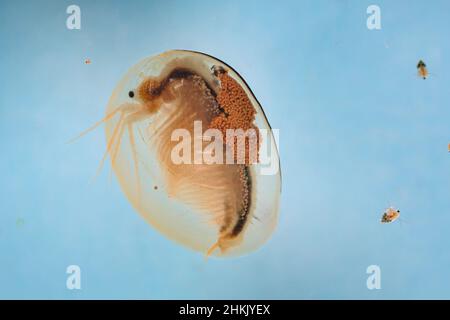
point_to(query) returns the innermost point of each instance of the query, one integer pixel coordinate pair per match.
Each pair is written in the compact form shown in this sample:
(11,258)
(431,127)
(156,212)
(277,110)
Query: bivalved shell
(218,209)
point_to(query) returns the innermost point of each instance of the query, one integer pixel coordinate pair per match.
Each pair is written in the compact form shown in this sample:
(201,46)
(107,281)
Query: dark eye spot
(131,94)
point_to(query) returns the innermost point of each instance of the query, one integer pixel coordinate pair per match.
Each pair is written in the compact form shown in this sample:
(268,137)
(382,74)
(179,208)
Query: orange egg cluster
(239,113)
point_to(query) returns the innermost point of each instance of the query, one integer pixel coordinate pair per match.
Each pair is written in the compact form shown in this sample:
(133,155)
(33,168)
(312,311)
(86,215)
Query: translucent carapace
(164,125)
(390,214)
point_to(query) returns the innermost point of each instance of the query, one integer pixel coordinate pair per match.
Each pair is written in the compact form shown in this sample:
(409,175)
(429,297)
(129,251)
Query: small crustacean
(168,123)
(422,70)
(391,214)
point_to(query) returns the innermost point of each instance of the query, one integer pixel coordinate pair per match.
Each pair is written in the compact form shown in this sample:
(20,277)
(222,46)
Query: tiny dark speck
(131,94)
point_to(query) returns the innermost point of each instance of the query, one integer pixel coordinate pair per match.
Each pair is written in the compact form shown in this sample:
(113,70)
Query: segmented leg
(118,142)
(116,147)
(135,160)
(110,143)
(129,120)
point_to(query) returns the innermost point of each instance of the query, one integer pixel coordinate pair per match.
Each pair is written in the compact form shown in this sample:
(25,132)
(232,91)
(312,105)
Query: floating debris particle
(20,222)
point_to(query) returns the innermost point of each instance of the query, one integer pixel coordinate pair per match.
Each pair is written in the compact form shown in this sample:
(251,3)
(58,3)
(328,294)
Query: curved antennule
(106,118)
